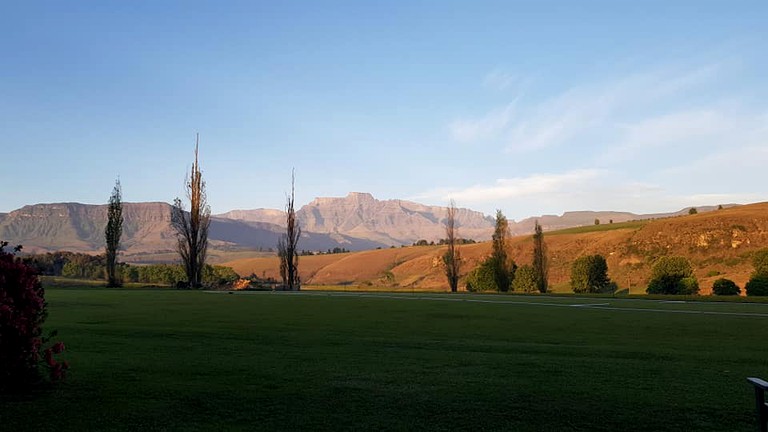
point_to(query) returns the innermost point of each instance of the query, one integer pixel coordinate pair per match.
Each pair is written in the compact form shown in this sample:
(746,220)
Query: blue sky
(533,107)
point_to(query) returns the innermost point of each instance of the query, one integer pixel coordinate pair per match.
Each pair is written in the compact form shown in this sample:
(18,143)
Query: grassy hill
(718,243)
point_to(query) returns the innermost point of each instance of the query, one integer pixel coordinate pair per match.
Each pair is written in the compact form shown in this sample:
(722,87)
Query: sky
(531,107)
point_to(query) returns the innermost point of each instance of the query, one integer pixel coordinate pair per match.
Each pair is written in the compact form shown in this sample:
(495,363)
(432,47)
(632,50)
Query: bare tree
(452,257)
(540,264)
(112,233)
(287,245)
(192,227)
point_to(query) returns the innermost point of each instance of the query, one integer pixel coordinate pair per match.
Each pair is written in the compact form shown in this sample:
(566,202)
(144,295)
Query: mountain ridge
(357,221)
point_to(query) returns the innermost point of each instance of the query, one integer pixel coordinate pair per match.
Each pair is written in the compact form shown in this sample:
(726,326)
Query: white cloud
(504,189)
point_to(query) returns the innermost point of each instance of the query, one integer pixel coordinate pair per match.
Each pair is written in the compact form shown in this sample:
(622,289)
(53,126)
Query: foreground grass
(187,360)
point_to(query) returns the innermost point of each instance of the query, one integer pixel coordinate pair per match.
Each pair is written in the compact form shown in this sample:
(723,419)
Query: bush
(491,276)
(589,274)
(757,286)
(672,275)
(725,286)
(760,262)
(482,278)
(525,280)
(22,312)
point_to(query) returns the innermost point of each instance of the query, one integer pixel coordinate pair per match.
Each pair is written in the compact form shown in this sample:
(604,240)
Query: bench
(762,408)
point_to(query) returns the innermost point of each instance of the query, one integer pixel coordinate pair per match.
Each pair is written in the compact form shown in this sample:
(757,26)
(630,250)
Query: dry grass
(718,243)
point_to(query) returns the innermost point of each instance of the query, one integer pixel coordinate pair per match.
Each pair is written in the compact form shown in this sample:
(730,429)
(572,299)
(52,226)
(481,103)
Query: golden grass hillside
(718,244)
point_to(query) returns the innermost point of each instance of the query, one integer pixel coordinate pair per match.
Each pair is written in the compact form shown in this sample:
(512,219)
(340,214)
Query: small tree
(589,274)
(757,286)
(192,227)
(692,211)
(452,257)
(597,221)
(287,245)
(540,265)
(672,275)
(525,280)
(112,233)
(760,262)
(725,286)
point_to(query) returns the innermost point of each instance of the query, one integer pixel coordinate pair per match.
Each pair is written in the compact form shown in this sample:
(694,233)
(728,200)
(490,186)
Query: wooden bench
(762,408)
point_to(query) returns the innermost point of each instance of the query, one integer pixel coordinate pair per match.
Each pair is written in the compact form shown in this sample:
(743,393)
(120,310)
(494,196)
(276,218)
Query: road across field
(756,310)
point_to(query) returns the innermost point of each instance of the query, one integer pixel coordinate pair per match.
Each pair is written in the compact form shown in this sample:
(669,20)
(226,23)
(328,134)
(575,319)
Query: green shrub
(490,276)
(482,278)
(760,262)
(525,280)
(725,286)
(672,275)
(688,286)
(589,274)
(757,286)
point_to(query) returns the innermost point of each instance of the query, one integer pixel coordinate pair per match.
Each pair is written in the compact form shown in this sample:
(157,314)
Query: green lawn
(188,360)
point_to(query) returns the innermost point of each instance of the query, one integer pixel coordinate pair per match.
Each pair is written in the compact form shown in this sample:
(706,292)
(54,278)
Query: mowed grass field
(187,360)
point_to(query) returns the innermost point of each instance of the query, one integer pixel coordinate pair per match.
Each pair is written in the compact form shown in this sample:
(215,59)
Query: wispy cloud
(509,188)
(497,79)
(486,127)
(579,110)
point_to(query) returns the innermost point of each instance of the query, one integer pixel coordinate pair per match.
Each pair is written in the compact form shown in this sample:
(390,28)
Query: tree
(757,286)
(672,275)
(452,257)
(589,274)
(497,271)
(287,245)
(725,286)
(192,227)
(597,221)
(525,279)
(760,262)
(502,265)
(112,233)
(540,265)
(692,211)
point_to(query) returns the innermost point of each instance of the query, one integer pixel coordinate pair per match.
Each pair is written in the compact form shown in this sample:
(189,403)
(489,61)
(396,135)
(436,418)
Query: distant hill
(718,243)
(146,231)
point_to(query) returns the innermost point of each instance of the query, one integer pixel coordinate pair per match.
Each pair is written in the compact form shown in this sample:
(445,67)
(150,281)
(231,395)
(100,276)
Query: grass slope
(718,243)
(181,360)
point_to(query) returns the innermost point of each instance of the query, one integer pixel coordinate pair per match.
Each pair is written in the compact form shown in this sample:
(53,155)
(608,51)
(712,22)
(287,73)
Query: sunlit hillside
(718,243)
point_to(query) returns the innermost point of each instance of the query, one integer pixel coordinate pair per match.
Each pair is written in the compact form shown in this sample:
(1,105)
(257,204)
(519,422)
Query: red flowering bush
(22,312)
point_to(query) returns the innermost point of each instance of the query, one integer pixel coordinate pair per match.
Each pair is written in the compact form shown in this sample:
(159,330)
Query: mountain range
(355,222)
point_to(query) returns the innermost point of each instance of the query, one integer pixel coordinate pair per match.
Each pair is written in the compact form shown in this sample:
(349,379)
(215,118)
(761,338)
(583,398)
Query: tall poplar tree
(503,267)
(288,243)
(112,234)
(540,264)
(192,227)
(452,257)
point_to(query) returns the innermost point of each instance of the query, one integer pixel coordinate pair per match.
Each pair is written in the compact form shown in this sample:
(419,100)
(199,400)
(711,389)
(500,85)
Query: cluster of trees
(93,267)
(444,241)
(336,250)
(499,272)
